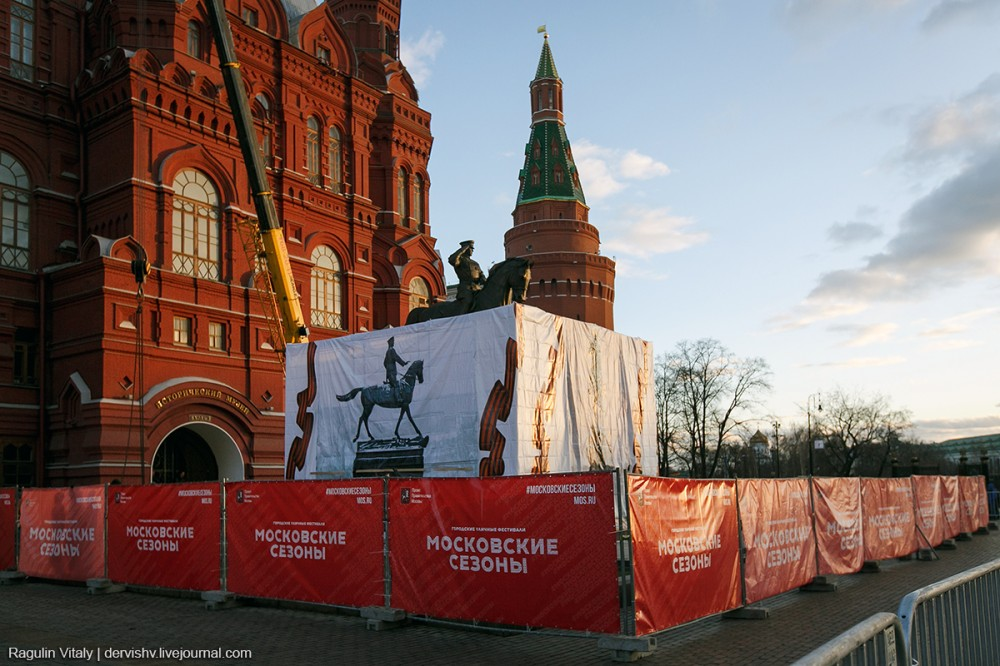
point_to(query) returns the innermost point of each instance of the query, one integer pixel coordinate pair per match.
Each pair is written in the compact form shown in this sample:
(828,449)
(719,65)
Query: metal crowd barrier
(955,621)
(877,641)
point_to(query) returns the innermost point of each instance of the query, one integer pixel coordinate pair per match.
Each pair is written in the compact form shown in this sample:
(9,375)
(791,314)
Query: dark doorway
(184,457)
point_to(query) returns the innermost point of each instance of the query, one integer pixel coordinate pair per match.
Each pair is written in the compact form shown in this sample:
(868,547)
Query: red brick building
(569,276)
(117,143)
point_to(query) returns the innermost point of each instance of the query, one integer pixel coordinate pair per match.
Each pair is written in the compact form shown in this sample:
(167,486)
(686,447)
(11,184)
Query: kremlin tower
(569,276)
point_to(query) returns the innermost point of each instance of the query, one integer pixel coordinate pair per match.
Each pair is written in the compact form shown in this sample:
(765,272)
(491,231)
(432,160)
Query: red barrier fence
(165,535)
(318,541)
(8,527)
(928,495)
(837,505)
(951,503)
(538,551)
(890,521)
(531,551)
(685,540)
(778,536)
(62,533)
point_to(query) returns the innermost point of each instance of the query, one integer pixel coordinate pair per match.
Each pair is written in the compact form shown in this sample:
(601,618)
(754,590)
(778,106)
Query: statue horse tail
(349,396)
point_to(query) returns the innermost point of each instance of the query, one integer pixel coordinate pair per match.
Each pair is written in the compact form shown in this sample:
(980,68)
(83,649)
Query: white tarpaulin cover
(509,391)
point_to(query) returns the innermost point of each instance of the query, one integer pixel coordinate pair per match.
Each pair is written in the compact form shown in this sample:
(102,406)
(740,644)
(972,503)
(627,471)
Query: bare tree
(707,392)
(859,431)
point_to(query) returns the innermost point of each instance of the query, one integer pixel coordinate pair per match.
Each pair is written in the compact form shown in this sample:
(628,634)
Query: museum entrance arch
(197,452)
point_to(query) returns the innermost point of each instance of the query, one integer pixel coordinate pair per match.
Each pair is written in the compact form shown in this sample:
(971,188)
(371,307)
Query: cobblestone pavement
(43,616)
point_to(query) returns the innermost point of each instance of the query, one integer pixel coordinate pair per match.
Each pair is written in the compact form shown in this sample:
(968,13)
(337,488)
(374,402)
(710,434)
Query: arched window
(196,226)
(420,293)
(336,160)
(325,288)
(536,176)
(22,39)
(261,110)
(16,224)
(401,192)
(557,175)
(537,150)
(418,201)
(312,152)
(194,40)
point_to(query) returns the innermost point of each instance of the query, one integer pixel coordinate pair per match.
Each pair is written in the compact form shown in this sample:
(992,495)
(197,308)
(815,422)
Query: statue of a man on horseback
(507,283)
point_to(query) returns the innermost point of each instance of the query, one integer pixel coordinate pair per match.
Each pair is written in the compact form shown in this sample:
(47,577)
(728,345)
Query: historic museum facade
(117,148)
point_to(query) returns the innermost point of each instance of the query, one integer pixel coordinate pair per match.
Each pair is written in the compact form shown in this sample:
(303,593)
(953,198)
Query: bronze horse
(385,395)
(507,283)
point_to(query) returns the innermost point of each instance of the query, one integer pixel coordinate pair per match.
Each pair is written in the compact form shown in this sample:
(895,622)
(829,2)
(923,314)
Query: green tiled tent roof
(546,65)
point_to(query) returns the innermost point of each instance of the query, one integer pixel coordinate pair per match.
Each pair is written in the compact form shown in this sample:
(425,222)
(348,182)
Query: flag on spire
(541,29)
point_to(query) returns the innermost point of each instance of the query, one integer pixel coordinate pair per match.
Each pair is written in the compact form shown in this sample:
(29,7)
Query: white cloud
(948,238)
(604,170)
(861,362)
(645,232)
(959,323)
(822,17)
(636,166)
(949,13)
(419,55)
(850,233)
(862,336)
(939,430)
(955,129)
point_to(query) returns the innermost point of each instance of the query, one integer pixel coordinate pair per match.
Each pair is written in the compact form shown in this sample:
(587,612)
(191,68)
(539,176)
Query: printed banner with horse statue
(508,391)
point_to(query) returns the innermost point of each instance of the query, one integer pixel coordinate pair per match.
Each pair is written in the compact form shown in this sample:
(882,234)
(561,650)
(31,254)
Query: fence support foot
(993,526)
(819,584)
(963,536)
(926,554)
(219,600)
(380,618)
(871,566)
(747,613)
(12,577)
(948,544)
(627,648)
(982,530)
(103,586)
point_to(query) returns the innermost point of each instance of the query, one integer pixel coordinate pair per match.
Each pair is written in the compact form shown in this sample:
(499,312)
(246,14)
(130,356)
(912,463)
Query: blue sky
(814,182)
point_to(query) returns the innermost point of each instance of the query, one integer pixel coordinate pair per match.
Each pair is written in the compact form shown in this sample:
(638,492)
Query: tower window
(26,356)
(15,217)
(22,39)
(536,177)
(336,160)
(418,201)
(196,226)
(312,151)
(323,54)
(558,176)
(419,293)
(182,331)
(401,195)
(194,47)
(250,17)
(325,289)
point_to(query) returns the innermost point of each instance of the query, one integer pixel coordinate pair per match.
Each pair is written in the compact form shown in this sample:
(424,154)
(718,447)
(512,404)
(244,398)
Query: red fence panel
(951,506)
(778,533)
(8,527)
(166,535)
(837,503)
(890,520)
(62,532)
(686,550)
(928,497)
(536,551)
(317,541)
(972,500)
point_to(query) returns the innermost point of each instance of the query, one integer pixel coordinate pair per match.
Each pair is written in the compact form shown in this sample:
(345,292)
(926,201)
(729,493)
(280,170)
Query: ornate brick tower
(569,276)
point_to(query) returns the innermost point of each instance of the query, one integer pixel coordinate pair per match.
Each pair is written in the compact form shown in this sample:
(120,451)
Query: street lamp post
(809,437)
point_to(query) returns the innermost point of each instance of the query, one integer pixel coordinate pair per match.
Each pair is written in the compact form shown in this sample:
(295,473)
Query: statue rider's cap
(467,243)
(392,340)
